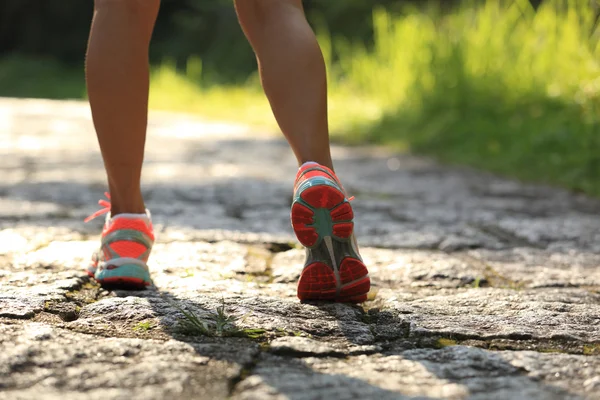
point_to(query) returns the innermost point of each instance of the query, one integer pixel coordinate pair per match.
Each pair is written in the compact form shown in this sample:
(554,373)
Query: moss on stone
(445,342)
(591,349)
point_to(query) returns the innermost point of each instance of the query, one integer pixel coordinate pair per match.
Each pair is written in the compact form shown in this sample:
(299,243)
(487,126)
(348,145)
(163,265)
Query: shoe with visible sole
(126,243)
(323,221)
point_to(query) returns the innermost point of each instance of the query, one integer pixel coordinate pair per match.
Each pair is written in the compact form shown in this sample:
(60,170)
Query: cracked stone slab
(456,372)
(571,230)
(393,268)
(301,346)
(22,238)
(180,265)
(488,313)
(118,316)
(518,268)
(534,268)
(410,268)
(15,303)
(455,254)
(40,361)
(25,302)
(55,262)
(222,267)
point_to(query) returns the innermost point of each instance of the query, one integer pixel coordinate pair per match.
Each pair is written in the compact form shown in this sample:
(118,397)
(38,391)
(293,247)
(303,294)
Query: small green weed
(187,273)
(591,349)
(143,326)
(216,324)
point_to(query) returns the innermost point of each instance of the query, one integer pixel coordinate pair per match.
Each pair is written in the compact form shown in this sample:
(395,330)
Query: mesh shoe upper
(126,239)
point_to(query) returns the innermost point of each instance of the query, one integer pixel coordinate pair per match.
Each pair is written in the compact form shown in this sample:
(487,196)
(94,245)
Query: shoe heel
(123,276)
(355,281)
(318,282)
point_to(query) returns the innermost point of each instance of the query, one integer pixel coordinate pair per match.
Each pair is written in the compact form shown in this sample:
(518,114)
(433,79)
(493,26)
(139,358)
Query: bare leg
(117,75)
(292,71)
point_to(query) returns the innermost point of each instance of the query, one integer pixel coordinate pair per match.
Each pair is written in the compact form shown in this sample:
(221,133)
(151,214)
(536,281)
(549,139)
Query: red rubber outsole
(318,282)
(322,196)
(302,216)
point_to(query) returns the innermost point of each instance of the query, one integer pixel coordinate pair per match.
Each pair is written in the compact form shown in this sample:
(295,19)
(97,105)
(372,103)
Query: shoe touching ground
(322,219)
(126,243)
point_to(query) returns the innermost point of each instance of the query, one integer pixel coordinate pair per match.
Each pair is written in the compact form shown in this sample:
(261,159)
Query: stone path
(484,288)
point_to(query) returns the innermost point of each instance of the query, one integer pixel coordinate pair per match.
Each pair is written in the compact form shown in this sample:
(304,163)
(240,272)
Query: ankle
(129,204)
(128,210)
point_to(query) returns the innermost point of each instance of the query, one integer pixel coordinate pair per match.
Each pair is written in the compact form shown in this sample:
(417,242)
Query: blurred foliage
(508,88)
(185,28)
(505,85)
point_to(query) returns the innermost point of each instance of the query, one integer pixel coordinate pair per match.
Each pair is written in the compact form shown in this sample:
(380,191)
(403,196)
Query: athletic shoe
(126,243)
(322,219)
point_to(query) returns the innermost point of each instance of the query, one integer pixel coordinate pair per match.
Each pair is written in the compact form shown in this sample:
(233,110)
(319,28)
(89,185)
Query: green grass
(504,88)
(215,324)
(591,349)
(186,91)
(40,78)
(144,326)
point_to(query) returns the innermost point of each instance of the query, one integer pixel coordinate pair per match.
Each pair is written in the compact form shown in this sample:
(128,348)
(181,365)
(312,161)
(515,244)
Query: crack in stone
(68,309)
(245,371)
(502,344)
(375,318)
(281,247)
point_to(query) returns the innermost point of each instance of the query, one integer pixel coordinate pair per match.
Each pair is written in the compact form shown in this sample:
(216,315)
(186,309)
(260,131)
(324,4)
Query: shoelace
(105,210)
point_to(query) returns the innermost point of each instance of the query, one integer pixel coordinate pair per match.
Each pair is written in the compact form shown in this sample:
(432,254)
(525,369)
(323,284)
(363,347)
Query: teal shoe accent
(323,224)
(126,271)
(314,181)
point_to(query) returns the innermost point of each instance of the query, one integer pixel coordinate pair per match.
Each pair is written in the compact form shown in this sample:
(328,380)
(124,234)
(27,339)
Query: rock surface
(483,288)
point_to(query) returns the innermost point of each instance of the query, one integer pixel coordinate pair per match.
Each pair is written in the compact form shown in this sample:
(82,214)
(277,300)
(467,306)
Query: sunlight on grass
(174,90)
(184,91)
(507,89)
